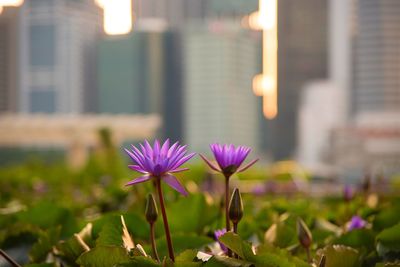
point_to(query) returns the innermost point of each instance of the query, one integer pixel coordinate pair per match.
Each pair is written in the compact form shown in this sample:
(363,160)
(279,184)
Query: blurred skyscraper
(57,56)
(131,73)
(376,56)
(219,106)
(8,59)
(302,57)
(364,54)
(141,73)
(179,13)
(364,63)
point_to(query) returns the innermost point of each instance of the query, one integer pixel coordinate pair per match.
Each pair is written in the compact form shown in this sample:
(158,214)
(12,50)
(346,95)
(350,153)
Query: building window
(42,45)
(42,101)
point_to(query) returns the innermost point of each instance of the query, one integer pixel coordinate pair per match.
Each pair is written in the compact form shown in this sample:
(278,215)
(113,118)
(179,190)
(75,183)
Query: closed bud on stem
(236,207)
(151,209)
(322,261)
(303,234)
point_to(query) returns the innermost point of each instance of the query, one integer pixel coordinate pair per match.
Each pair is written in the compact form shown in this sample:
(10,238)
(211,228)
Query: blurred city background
(184,70)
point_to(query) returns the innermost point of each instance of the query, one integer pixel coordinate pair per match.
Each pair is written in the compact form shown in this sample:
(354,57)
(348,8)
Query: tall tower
(57,56)
(302,57)
(219,106)
(8,59)
(377,57)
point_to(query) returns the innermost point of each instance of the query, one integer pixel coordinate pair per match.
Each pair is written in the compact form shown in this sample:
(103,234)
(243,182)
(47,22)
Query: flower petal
(156,147)
(172,149)
(247,166)
(148,150)
(164,148)
(175,184)
(179,170)
(133,156)
(137,168)
(182,160)
(138,180)
(212,166)
(242,156)
(137,156)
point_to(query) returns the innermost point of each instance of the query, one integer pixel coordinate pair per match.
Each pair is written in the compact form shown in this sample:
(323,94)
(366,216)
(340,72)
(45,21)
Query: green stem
(227,196)
(153,242)
(235,230)
(308,255)
(9,259)
(165,220)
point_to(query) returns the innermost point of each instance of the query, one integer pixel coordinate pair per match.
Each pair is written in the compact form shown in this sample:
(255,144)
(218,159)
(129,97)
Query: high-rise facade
(57,56)
(141,73)
(8,59)
(178,13)
(130,73)
(376,80)
(219,60)
(302,57)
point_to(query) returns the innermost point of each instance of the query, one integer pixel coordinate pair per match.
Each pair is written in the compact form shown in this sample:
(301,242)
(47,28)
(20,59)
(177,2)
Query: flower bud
(303,234)
(322,261)
(236,207)
(151,209)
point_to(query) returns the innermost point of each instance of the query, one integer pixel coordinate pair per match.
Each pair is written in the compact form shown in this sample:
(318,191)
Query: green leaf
(180,243)
(198,214)
(388,242)
(339,255)
(40,265)
(44,244)
(268,255)
(115,233)
(18,233)
(187,255)
(103,256)
(46,215)
(137,225)
(387,218)
(139,261)
(281,234)
(111,233)
(187,258)
(222,261)
(72,248)
(357,238)
(390,237)
(237,245)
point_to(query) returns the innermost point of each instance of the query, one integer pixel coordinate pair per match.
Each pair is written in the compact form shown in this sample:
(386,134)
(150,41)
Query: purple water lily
(356,222)
(229,158)
(218,234)
(160,162)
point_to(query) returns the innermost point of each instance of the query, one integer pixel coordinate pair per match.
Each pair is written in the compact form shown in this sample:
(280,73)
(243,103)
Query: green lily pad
(339,255)
(103,256)
(237,245)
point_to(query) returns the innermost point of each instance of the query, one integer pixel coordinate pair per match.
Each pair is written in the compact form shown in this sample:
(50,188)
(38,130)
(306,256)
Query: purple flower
(356,222)
(159,162)
(348,193)
(229,158)
(218,234)
(259,190)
